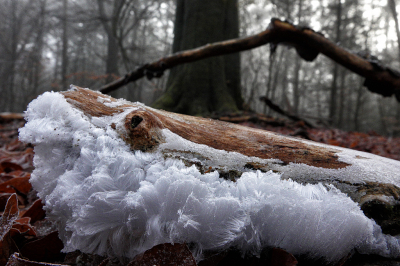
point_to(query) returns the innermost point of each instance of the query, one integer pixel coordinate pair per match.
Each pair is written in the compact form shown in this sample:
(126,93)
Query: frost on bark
(368,179)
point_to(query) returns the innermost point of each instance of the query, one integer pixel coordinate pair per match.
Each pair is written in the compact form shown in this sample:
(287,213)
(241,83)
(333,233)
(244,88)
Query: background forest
(47,45)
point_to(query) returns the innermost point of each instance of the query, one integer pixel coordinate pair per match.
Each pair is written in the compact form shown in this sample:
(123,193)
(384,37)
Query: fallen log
(121,177)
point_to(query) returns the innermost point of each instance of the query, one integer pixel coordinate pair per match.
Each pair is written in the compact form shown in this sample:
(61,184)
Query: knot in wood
(143,130)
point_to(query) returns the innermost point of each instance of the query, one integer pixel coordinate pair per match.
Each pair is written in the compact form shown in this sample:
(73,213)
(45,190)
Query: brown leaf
(10,211)
(7,245)
(7,176)
(23,220)
(22,226)
(8,167)
(280,257)
(47,248)
(165,254)
(20,184)
(21,158)
(16,260)
(35,212)
(3,200)
(15,145)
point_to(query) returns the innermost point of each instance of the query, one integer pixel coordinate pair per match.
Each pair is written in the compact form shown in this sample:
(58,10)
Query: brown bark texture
(308,44)
(225,136)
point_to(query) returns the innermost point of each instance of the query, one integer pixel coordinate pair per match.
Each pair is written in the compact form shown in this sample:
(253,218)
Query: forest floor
(24,229)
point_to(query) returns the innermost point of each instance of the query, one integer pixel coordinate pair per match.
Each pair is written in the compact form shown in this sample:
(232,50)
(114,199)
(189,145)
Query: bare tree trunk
(38,49)
(215,82)
(110,25)
(9,75)
(64,61)
(392,7)
(342,98)
(333,97)
(274,83)
(382,114)
(318,95)
(284,83)
(297,68)
(296,85)
(269,89)
(254,84)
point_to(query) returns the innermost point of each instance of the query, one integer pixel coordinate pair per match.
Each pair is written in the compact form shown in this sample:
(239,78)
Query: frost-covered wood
(121,177)
(298,159)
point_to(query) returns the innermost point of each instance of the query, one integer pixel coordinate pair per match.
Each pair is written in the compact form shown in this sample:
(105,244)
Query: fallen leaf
(35,212)
(3,200)
(16,260)
(8,167)
(7,176)
(15,145)
(280,257)
(20,184)
(333,142)
(22,226)
(165,254)
(7,247)
(47,248)
(10,211)
(7,244)
(21,158)
(23,220)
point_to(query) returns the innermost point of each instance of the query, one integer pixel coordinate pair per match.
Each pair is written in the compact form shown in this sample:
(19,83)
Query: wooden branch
(279,110)
(254,118)
(11,116)
(307,42)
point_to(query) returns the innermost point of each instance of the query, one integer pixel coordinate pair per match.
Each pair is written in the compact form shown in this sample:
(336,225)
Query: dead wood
(308,44)
(367,179)
(253,118)
(11,116)
(146,135)
(279,110)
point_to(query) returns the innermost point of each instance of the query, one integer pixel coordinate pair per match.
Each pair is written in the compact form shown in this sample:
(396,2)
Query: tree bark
(214,83)
(110,25)
(333,97)
(357,107)
(392,7)
(342,98)
(64,62)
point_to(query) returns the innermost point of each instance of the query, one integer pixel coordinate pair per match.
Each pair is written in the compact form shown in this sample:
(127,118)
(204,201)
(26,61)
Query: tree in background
(211,85)
(110,24)
(33,42)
